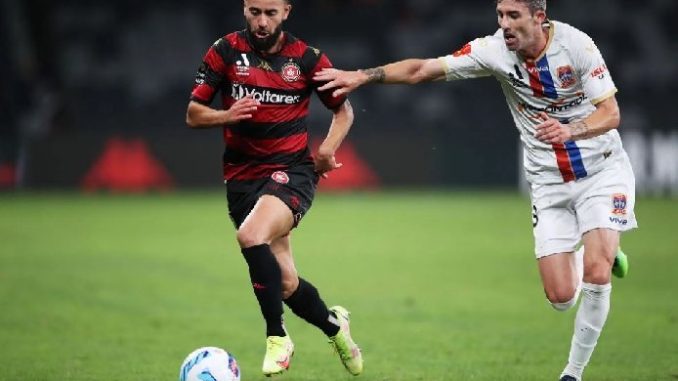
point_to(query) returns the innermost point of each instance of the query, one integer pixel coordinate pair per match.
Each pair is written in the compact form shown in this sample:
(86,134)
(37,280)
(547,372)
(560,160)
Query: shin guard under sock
(266,281)
(306,303)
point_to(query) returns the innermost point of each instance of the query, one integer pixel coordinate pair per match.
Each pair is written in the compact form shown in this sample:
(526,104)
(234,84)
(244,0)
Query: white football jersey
(566,81)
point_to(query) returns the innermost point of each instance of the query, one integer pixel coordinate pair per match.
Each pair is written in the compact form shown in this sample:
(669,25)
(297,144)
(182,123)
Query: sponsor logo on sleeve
(464,51)
(202,73)
(599,72)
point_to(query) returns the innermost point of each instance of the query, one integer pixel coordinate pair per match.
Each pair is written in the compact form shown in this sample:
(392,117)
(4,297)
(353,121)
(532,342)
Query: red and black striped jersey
(276,137)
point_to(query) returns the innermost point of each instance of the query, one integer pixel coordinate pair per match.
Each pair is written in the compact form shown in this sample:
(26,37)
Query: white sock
(588,324)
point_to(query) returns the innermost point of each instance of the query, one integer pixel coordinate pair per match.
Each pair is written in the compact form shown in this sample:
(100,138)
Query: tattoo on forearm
(579,130)
(376,74)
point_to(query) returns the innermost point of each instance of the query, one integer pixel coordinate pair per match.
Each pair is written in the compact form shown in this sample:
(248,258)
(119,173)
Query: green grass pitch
(442,286)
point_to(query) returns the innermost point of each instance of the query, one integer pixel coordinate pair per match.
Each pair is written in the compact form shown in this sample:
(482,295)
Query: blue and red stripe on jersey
(568,156)
(541,80)
(569,160)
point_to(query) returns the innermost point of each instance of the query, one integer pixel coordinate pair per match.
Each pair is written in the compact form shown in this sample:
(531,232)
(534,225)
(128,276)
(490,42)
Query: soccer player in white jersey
(562,99)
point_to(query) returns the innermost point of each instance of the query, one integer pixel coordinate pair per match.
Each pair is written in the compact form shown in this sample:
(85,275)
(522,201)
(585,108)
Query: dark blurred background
(94,93)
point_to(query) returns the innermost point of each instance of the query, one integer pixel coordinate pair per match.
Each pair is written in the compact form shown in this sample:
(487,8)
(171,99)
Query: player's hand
(551,130)
(343,82)
(325,164)
(242,109)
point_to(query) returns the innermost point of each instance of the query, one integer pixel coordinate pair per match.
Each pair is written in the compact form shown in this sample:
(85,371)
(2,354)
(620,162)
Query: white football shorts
(562,213)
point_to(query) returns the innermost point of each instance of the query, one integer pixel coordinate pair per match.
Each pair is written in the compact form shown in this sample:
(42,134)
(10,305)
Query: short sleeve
(211,73)
(471,61)
(595,76)
(316,61)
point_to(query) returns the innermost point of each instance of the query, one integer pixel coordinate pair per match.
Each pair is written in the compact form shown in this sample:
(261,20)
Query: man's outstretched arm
(409,71)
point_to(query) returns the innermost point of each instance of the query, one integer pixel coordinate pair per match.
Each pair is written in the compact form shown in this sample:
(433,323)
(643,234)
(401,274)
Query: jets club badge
(290,72)
(566,76)
(619,203)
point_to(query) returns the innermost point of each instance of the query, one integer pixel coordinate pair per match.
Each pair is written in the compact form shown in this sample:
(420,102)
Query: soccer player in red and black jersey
(265,76)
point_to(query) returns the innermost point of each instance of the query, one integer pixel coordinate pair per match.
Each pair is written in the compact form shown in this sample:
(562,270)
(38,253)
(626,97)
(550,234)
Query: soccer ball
(209,364)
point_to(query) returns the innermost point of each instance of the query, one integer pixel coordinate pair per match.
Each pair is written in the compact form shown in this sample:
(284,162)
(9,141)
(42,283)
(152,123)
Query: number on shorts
(535,217)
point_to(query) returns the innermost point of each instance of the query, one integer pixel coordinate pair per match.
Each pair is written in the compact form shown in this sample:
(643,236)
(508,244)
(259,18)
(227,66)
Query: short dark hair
(288,1)
(533,5)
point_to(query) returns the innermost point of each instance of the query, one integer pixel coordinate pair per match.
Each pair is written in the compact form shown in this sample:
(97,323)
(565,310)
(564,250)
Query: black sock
(305,302)
(266,280)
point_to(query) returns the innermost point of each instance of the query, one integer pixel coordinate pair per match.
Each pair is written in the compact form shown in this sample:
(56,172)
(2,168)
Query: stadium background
(77,74)
(434,260)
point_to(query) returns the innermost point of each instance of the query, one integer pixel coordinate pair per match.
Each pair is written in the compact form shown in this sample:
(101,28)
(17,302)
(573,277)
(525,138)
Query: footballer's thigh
(556,234)
(559,277)
(269,219)
(600,248)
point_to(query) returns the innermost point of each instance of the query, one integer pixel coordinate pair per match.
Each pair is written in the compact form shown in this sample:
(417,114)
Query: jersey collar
(552,28)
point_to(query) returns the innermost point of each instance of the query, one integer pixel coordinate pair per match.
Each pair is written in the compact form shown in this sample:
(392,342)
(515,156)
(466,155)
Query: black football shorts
(295,186)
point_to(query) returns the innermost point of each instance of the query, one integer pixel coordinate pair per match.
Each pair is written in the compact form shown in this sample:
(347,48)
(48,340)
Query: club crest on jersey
(290,72)
(566,76)
(619,204)
(280,177)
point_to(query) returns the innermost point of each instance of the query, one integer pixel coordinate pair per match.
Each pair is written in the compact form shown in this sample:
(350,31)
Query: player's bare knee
(561,296)
(598,273)
(603,249)
(248,237)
